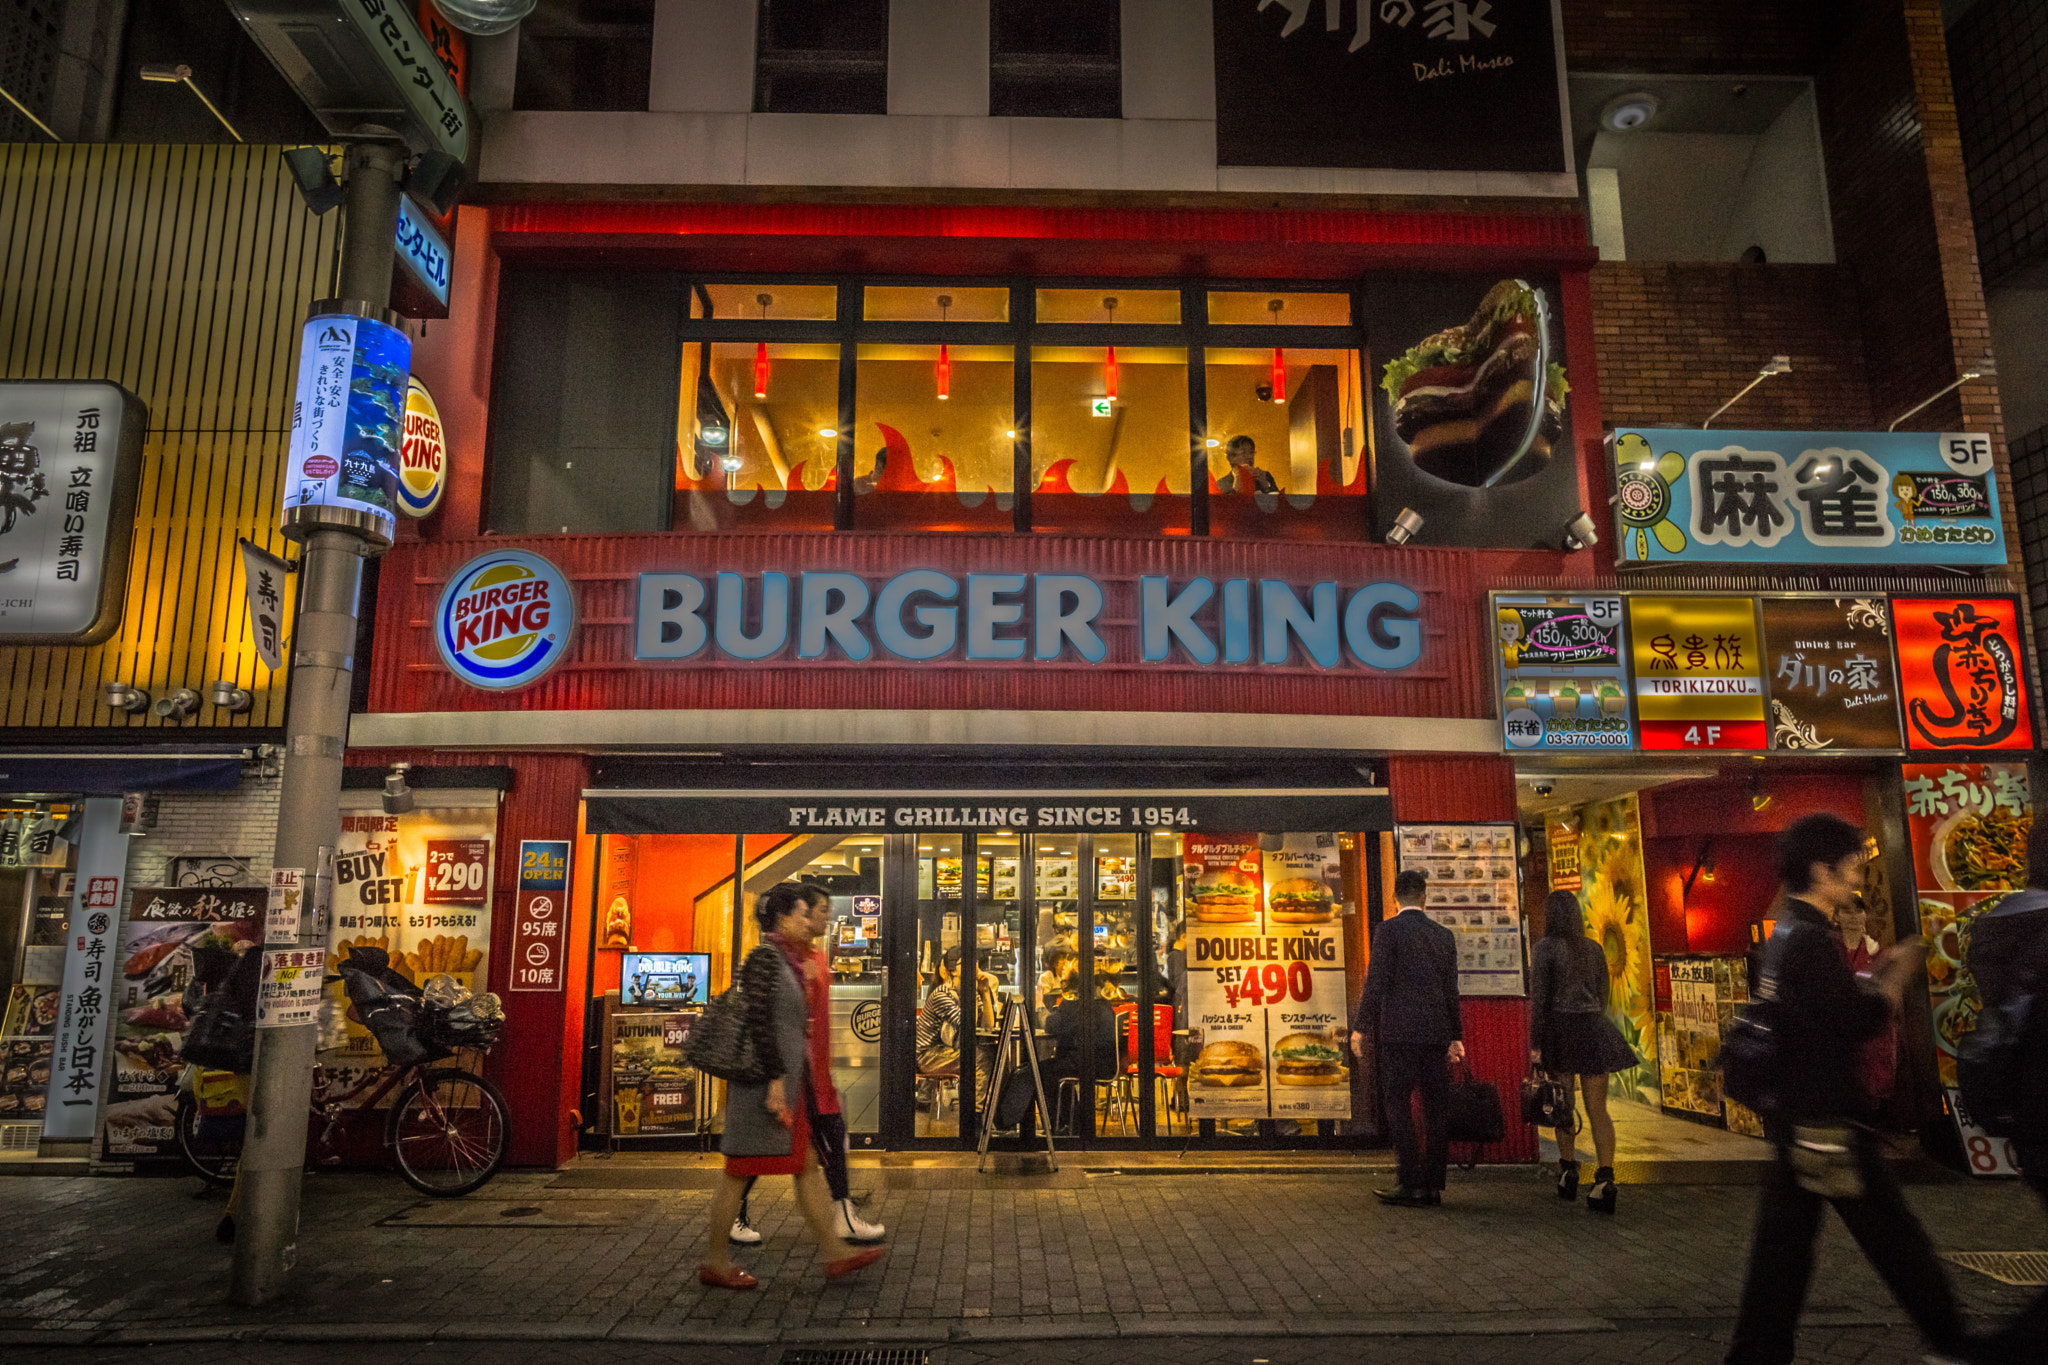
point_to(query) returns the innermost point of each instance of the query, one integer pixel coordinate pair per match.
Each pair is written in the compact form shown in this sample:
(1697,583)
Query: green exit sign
(1102,407)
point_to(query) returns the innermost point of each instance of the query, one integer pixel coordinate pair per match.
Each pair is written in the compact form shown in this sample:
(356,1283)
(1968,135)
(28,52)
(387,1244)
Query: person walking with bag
(828,1120)
(1821,1016)
(768,1122)
(2008,958)
(1410,1010)
(1570,1036)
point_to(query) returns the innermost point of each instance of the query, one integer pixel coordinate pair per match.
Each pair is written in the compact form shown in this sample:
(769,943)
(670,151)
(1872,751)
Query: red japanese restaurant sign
(541,915)
(1698,679)
(1959,673)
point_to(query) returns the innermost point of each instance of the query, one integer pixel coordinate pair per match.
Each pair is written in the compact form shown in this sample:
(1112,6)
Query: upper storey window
(1055,59)
(585,55)
(822,57)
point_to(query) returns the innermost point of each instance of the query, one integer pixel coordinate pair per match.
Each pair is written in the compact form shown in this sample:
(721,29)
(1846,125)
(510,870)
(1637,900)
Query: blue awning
(98,772)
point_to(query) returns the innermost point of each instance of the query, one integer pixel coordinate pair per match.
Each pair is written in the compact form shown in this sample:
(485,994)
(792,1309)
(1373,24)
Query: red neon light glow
(945,373)
(1109,375)
(760,369)
(1279,375)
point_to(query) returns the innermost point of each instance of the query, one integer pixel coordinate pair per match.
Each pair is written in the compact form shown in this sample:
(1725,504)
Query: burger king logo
(504,620)
(422,454)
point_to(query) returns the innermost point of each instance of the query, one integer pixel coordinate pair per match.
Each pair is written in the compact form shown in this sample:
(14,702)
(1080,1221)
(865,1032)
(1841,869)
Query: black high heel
(1567,1180)
(1601,1197)
(224,1230)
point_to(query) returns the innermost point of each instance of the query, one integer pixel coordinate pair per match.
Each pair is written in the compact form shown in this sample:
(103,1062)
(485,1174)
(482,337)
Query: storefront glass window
(757,439)
(1109,304)
(1109,439)
(935,420)
(946,992)
(1237,308)
(1295,417)
(935,303)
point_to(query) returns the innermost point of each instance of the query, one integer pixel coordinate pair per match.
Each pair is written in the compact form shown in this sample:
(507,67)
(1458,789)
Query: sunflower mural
(1617,918)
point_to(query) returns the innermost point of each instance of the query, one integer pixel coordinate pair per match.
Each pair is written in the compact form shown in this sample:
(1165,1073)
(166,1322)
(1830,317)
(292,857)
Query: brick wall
(241,823)
(1756,36)
(1998,57)
(1677,341)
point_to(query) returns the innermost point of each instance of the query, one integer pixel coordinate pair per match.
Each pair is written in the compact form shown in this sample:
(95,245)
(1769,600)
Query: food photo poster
(1266,1003)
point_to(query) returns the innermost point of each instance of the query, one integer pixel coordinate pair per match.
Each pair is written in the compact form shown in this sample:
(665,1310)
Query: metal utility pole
(316,726)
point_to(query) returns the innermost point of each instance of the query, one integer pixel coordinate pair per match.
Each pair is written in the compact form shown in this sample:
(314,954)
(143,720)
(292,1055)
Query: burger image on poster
(1308,1059)
(1228,1064)
(1226,895)
(1471,412)
(504,620)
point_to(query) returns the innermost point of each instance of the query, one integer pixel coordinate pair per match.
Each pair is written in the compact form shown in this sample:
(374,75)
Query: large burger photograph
(1299,900)
(1308,1059)
(1227,1064)
(1226,895)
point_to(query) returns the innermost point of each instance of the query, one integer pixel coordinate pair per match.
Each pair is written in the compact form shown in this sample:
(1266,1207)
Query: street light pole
(309,816)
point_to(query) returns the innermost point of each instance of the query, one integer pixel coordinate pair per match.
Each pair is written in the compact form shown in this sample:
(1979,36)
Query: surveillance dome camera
(1264,393)
(1545,788)
(1625,113)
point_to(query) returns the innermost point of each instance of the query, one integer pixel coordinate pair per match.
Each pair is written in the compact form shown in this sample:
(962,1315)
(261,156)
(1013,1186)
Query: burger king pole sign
(422,453)
(504,620)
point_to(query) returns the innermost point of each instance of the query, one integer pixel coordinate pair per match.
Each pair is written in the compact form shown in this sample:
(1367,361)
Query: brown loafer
(734,1278)
(860,1260)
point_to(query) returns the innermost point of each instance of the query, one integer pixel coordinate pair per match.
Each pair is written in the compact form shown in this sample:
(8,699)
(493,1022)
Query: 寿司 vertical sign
(540,923)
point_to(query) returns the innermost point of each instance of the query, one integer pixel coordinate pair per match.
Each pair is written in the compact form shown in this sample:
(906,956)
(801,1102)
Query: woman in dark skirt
(1570,1036)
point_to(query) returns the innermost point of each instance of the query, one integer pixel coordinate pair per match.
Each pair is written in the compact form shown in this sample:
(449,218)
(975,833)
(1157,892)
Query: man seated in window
(1244,475)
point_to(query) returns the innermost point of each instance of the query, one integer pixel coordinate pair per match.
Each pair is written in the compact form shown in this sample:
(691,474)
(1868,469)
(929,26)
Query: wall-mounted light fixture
(177,73)
(230,698)
(182,704)
(1986,368)
(397,797)
(1579,533)
(125,697)
(1405,527)
(1777,364)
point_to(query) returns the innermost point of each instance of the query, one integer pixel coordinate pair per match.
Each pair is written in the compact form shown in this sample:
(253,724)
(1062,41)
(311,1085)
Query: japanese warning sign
(1806,497)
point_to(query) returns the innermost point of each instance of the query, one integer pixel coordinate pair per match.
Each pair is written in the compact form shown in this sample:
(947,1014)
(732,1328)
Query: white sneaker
(855,1228)
(742,1234)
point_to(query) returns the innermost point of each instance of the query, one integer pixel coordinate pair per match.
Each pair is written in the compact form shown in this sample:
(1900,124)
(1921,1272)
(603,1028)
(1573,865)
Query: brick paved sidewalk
(1297,1263)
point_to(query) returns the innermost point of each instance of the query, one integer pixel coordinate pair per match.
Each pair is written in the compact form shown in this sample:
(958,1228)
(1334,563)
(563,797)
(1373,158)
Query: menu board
(1960,674)
(1265,955)
(1830,666)
(1706,992)
(1968,825)
(1699,683)
(383,878)
(1562,672)
(1116,879)
(1473,892)
(1058,879)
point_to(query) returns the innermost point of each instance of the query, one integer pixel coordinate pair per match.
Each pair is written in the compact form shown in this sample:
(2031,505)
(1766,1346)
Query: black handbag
(719,1042)
(1547,1102)
(1473,1113)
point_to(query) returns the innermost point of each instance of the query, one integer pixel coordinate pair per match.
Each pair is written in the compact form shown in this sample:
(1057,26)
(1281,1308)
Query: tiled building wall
(1998,52)
(1677,341)
(240,824)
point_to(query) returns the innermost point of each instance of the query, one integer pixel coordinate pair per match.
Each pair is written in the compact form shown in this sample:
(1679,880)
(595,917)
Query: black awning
(90,773)
(642,797)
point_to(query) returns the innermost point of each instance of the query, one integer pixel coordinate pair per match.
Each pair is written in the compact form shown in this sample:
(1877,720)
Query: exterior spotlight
(1405,527)
(1579,533)
(228,697)
(1777,364)
(397,795)
(177,73)
(124,697)
(1986,368)
(178,705)
(315,177)
(1626,113)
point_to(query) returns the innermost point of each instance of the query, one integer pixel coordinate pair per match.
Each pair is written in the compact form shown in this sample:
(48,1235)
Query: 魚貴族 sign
(1806,497)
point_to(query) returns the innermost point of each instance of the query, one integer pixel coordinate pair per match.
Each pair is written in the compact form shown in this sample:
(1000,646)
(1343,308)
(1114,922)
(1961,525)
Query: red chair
(1163,1067)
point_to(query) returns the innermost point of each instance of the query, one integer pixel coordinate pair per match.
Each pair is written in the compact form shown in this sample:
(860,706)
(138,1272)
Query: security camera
(1264,393)
(1545,788)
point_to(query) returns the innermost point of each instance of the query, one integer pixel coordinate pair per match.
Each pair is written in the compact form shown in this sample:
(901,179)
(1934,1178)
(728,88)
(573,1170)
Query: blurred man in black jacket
(2009,958)
(1410,1010)
(1824,1151)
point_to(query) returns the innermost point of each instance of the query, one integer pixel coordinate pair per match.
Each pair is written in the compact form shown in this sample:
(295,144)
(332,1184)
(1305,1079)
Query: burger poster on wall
(1266,979)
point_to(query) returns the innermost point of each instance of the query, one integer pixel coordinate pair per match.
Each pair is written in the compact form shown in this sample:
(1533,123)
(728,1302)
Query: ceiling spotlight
(228,697)
(397,795)
(829,433)
(1212,443)
(1626,113)
(1579,533)
(730,462)
(124,697)
(1405,526)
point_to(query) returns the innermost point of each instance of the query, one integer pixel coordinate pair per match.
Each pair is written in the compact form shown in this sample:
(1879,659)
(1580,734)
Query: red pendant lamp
(760,369)
(1109,375)
(945,373)
(1279,375)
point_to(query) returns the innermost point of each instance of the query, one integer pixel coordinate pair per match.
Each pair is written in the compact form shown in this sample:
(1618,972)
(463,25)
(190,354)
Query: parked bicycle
(448,1127)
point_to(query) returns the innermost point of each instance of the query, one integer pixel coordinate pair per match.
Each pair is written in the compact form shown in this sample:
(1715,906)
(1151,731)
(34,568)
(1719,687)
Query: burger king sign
(422,453)
(504,620)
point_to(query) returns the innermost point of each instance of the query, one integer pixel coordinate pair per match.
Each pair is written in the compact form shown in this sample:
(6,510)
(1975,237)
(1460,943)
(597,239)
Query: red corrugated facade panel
(1452,679)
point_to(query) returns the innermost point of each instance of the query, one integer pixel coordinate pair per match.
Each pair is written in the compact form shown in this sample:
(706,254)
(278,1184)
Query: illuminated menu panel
(1563,682)
(1698,680)
(1960,674)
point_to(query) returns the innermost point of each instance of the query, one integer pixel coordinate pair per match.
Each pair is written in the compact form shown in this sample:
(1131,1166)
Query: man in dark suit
(1410,1010)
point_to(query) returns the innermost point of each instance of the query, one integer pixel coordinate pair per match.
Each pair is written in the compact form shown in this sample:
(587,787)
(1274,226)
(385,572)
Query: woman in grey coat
(1570,1036)
(767,1125)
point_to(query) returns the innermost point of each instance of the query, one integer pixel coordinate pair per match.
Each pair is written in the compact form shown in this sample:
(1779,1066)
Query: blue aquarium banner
(1805,497)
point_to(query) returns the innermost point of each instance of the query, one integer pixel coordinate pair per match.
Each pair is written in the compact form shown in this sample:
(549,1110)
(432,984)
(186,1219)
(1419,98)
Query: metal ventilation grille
(2027,1269)
(858,1355)
(20,1137)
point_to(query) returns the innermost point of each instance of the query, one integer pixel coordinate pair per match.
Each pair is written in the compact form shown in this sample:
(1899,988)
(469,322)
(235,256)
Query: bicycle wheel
(450,1131)
(212,1158)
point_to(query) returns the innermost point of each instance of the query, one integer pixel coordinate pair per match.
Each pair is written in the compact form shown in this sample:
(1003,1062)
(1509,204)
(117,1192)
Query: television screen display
(665,979)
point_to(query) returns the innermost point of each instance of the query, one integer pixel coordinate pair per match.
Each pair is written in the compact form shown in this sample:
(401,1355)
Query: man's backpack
(1751,1059)
(1991,1058)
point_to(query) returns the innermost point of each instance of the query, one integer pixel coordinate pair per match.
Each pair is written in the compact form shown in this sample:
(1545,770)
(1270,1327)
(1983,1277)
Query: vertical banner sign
(1301,987)
(1473,892)
(1226,942)
(1831,673)
(347,418)
(173,934)
(1960,675)
(541,916)
(1561,835)
(89,978)
(263,579)
(1563,683)
(1699,682)
(418,886)
(69,458)
(1967,824)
